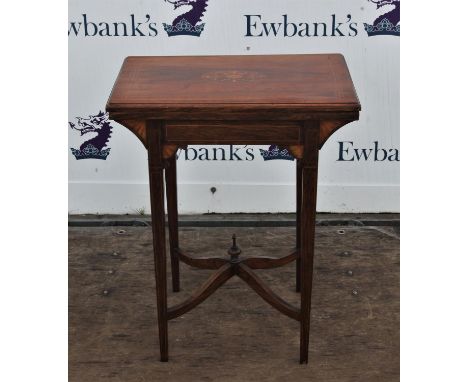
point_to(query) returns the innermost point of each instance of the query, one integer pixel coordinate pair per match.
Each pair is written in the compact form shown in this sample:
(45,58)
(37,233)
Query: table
(293,101)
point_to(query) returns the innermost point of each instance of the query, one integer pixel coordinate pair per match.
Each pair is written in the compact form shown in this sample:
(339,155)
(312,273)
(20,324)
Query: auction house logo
(389,22)
(189,22)
(275,153)
(93,148)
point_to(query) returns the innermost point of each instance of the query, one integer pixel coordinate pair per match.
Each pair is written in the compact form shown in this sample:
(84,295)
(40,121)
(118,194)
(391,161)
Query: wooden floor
(234,335)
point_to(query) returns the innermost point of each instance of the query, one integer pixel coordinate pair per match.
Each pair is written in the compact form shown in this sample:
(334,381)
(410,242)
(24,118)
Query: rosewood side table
(293,101)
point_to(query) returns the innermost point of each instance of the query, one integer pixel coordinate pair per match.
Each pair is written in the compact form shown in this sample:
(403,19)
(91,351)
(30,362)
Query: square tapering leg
(298,221)
(308,210)
(172,217)
(154,133)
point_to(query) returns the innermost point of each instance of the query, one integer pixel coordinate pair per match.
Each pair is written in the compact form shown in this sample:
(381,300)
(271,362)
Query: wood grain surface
(246,98)
(320,80)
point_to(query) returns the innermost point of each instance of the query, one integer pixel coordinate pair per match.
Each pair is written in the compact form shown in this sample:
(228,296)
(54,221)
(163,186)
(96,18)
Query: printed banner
(359,164)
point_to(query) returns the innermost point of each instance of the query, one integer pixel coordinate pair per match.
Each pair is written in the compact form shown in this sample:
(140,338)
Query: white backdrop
(119,183)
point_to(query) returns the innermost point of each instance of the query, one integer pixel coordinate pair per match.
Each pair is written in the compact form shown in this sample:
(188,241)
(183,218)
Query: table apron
(233,132)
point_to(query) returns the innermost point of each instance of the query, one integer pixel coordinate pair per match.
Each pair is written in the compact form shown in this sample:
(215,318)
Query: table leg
(154,134)
(309,198)
(171,196)
(298,220)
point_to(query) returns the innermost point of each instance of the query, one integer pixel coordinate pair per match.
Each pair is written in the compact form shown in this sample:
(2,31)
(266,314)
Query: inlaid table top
(289,83)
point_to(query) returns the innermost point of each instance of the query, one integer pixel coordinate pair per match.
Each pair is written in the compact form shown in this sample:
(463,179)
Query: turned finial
(234,251)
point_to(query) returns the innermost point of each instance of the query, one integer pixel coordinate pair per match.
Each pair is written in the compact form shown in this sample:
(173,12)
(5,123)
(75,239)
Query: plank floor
(234,335)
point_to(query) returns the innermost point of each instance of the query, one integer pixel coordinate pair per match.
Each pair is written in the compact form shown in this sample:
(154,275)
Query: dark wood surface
(319,82)
(268,96)
(172,219)
(293,101)
(309,166)
(263,89)
(156,180)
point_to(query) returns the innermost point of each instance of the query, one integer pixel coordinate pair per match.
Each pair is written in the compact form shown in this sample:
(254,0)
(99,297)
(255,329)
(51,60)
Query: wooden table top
(315,82)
